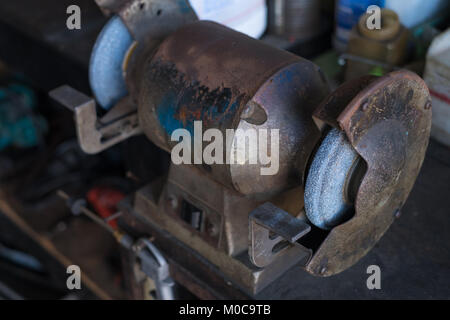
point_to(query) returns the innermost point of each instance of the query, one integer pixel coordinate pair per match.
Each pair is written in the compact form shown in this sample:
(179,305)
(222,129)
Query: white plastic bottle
(414,12)
(249,16)
(437,77)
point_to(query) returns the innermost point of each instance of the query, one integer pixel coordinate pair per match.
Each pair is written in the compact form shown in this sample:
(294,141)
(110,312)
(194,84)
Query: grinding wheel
(327,201)
(105,68)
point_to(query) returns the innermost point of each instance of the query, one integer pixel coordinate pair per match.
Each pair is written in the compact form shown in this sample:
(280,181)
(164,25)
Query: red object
(104,200)
(440,96)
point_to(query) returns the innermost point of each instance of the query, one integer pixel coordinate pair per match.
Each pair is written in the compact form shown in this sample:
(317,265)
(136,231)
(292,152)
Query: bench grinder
(347,159)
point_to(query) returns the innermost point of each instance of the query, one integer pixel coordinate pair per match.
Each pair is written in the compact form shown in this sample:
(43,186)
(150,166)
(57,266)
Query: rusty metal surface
(224,228)
(150,22)
(333,105)
(208,72)
(229,256)
(204,65)
(388,124)
(288,97)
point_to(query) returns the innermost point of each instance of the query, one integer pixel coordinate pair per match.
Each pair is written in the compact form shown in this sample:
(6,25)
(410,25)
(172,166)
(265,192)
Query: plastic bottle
(437,77)
(249,17)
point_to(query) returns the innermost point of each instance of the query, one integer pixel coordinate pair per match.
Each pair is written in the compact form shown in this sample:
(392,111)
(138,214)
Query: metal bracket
(155,266)
(96,135)
(273,232)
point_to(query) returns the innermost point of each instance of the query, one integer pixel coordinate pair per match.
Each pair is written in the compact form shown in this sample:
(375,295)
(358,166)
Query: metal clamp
(155,266)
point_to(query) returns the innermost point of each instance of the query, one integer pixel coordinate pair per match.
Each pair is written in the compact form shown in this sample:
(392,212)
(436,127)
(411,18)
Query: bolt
(77,206)
(365,105)
(173,201)
(323,270)
(212,230)
(254,114)
(135,248)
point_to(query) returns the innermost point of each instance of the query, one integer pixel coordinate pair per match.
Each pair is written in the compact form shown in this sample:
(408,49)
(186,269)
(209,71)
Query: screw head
(254,113)
(365,105)
(173,201)
(323,270)
(212,230)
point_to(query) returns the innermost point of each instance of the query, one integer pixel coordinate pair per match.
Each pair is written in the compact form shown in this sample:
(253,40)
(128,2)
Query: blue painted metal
(105,68)
(326,199)
(182,102)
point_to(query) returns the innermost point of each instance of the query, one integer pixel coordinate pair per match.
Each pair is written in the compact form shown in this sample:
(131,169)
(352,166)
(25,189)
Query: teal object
(19,125)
